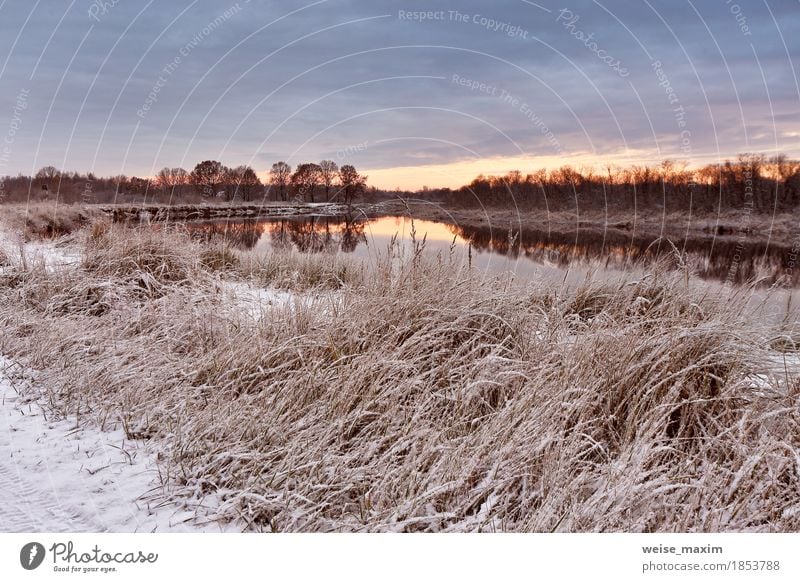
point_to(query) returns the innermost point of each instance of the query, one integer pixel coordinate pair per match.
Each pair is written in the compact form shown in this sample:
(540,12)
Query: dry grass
(155,259)
(419,396)
(299,271)
(46,219)
(219,257)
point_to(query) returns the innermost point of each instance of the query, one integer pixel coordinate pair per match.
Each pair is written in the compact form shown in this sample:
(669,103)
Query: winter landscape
(490,305)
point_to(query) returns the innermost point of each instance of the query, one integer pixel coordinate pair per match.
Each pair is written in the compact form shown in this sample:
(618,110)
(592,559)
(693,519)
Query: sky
(411,93)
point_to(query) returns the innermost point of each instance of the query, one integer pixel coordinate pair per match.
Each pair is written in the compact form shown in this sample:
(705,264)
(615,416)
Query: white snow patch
(780,363)
(254,301)
(53,254)
(56,476)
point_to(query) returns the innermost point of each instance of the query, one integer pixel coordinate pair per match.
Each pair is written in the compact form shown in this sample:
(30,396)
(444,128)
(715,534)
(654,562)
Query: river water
(721,262)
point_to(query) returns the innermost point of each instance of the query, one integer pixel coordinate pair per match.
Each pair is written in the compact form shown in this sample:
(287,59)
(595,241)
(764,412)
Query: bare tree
(328,171)
(207,177)
(280,176)
(48,173)
(785,173)
(139,186)
(245,181)
(305,180)
(352,183)
(47,178)
(170,178)
(229,187)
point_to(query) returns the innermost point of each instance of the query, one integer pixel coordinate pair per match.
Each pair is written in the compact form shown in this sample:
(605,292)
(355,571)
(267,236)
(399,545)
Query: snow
(255,301)
(51,254)
(782,363)
(57,476)
(48,252)
(252,300)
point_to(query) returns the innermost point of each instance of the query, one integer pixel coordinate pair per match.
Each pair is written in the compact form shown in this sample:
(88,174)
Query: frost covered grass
(417,395)
(46,219)
(298,271)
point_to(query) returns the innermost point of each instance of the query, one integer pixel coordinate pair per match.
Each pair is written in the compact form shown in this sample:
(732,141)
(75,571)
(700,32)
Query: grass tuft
(416,394)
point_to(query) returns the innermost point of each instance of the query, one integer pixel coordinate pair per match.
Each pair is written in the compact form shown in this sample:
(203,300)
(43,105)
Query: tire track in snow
(56,477)
(27,508)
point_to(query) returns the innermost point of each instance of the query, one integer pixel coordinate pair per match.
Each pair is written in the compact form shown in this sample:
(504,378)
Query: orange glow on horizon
(457,174)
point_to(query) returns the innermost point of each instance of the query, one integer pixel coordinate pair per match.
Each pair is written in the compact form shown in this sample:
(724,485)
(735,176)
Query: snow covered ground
(56,476)
(252,300)
(48,252)
(59,477)
(785,363)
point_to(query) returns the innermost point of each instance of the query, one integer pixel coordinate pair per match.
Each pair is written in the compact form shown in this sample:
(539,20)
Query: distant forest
(209,180)
(752,182)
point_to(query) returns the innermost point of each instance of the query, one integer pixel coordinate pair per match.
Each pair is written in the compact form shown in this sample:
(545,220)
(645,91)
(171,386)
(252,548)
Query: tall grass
(418,395)
(298,271)
(46,219)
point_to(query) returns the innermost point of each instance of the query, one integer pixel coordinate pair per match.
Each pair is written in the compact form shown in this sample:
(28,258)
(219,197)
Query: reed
(417,394)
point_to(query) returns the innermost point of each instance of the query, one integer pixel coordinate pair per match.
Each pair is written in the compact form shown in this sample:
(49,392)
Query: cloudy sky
(124,86)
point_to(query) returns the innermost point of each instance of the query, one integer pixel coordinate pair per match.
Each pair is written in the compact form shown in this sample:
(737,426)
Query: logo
(31,555)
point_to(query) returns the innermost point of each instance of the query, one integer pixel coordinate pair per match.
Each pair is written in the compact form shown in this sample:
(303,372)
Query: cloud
(136,87)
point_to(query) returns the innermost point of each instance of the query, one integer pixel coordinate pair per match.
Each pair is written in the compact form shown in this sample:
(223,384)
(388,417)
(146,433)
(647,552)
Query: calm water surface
(530,254)
(527,252)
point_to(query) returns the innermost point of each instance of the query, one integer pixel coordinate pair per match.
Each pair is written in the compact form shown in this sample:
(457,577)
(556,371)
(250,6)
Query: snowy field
(390,400)
(57,476)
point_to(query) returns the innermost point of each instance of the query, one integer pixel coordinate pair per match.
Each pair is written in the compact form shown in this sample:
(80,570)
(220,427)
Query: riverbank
(781,229)
(165,213)
(50,220)
(418,395)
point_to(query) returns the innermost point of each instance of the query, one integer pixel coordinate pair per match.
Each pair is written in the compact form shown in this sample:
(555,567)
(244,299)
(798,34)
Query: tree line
(751,181)
(309,182)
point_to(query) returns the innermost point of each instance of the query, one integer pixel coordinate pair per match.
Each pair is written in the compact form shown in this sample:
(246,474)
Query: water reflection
(721,260)
(308,235)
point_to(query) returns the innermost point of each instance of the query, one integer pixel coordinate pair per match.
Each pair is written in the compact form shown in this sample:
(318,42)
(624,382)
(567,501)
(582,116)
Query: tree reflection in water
(308,235)
(722,259)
